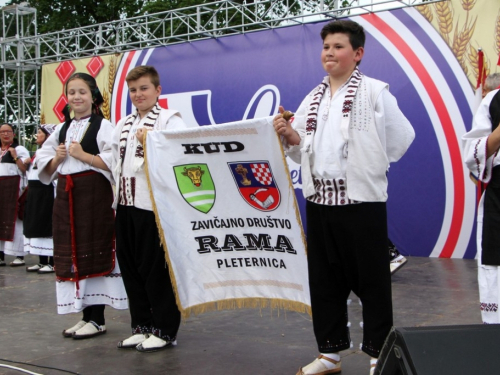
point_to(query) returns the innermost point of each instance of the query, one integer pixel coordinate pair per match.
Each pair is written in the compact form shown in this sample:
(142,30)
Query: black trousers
(44,260)
(152,304)
(94,313)
(347,251)
(490,242)
(2,256)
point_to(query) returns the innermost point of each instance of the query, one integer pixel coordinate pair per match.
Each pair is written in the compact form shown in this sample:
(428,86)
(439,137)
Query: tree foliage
(56,15)
(59,15)
(165,5)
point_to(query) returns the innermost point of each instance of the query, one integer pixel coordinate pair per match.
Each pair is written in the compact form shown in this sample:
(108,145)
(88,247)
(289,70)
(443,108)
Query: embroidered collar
(82,118)
(79,126)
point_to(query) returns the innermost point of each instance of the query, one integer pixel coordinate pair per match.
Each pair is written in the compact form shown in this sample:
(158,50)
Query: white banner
(226,212)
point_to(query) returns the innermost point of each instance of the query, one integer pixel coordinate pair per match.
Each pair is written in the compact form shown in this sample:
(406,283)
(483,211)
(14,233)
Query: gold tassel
(160,229)
(247,303)
(291,191)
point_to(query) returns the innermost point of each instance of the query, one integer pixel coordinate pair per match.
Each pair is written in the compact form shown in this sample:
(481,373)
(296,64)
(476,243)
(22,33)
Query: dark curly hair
(354,31)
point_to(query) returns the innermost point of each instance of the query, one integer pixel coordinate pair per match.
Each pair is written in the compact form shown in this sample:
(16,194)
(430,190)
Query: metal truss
(23,51)
(212,20)
(19,53)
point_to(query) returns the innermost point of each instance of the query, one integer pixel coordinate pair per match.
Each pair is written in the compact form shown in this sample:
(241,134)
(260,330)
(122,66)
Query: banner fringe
(292,190)
(163,243)
(247,303)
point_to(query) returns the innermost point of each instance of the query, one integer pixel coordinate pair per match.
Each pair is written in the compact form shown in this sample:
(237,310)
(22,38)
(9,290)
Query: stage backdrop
(427,55)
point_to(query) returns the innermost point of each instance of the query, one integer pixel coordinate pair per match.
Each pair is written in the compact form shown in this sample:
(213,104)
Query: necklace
(4,150)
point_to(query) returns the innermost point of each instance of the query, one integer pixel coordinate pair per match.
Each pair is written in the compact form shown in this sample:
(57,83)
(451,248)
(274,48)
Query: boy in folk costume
(344,135)
(153,309)
(481,145)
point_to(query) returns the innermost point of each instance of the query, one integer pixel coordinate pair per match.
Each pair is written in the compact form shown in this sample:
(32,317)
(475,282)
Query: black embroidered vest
(7,158)
(495,111)
(89,141)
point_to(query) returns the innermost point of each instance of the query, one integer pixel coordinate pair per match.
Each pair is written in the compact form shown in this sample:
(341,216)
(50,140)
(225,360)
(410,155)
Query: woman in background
(12,179)
(37,219)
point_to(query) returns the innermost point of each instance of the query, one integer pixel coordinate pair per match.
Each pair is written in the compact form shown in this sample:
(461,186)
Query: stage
(426,292)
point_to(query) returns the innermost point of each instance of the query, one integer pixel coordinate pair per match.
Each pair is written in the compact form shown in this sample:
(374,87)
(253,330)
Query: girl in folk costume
(344,135)
(481,145)
(88,277)
(37,218)
(12,171)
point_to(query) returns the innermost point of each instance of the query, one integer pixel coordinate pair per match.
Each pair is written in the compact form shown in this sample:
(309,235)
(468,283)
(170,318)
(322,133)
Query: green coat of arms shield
(196,186)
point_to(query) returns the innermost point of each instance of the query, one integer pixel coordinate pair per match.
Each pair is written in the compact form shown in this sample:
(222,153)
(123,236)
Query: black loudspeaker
(442,350)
